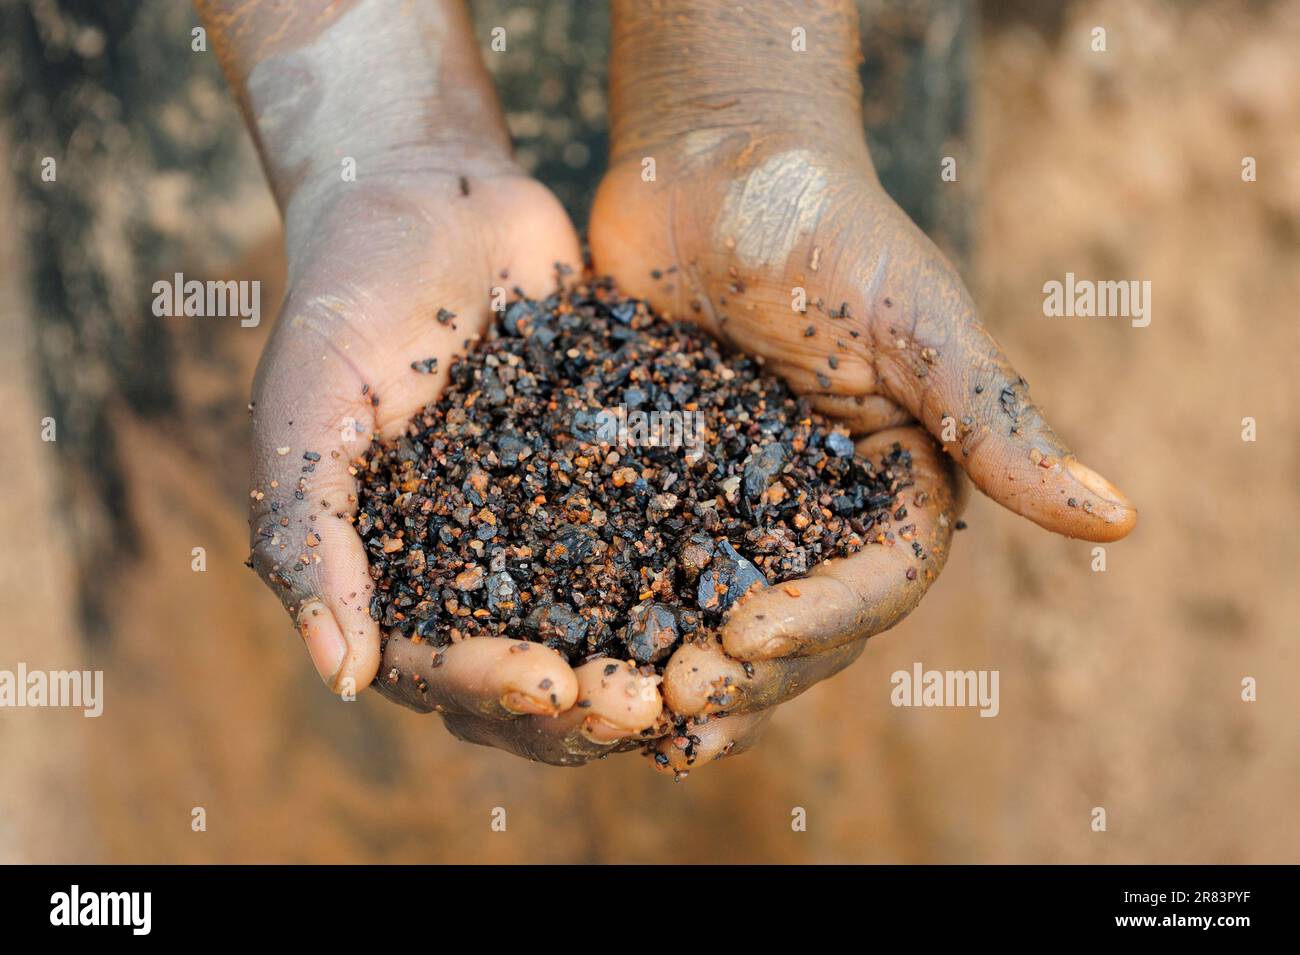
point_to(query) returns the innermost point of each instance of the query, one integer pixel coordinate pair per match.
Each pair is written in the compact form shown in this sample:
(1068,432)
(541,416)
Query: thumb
(938,361)
(303,494)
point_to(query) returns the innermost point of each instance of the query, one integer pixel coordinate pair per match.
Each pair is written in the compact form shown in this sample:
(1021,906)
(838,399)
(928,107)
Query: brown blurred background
(1119,689)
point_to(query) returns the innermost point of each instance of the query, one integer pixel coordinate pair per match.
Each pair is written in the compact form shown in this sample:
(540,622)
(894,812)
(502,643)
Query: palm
(883,331)
(806,262)
(384,266)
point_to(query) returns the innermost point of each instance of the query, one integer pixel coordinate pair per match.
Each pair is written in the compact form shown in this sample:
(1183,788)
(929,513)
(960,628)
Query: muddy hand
(778,641)
(524,698)
(384,143)
(741,195)
(765,222)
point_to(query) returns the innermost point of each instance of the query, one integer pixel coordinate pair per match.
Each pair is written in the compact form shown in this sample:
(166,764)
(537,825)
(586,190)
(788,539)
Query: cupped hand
(790,250)
(386,283)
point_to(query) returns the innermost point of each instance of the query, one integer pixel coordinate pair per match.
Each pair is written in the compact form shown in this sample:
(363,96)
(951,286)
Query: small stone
(573,545)
(651,632)
(840,445)
(762,468)
(556,622)
(470,579)
(501,593)
(696,554)
(728,578)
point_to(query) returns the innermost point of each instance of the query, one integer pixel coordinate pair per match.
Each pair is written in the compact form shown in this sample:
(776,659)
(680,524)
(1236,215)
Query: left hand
(752,202)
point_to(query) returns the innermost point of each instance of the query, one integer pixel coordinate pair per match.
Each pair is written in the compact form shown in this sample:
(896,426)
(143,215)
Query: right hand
(365,286)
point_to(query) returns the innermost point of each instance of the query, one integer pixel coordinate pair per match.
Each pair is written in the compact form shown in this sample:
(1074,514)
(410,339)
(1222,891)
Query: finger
(857,596)
(861,414)
(491,677)
(615,704)
(701,679)
(615,701)
(937,360)
(698,745)
(301,500)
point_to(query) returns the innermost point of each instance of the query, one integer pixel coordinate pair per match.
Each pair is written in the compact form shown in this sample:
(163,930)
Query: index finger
(938,361)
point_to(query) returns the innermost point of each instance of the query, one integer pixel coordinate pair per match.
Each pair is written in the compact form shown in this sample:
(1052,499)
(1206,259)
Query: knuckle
(280,567)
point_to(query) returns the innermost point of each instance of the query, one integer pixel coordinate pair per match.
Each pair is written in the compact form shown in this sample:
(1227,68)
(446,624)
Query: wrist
(778,70)
(384,91)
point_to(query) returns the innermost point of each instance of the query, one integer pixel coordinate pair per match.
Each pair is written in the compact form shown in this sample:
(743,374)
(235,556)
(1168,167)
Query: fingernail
(1095,483)
(324,640)
(779,646)
(523,705)
(602,731)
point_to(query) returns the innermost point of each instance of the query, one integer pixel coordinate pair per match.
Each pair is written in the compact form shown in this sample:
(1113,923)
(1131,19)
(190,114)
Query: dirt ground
(1119,689)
